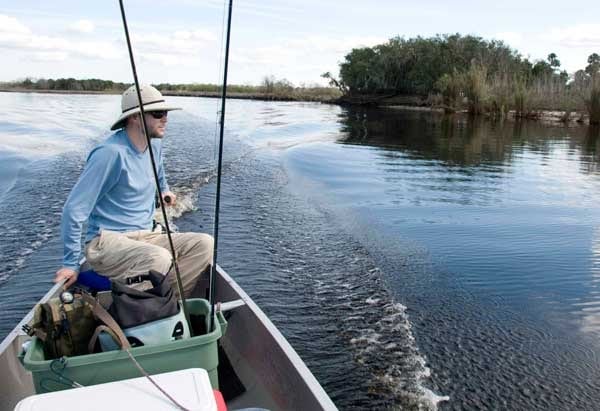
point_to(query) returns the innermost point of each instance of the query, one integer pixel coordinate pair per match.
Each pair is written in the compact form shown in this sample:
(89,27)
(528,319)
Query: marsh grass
(476,89)
(502,93)
(269,89)
(592,102)
(593,106)
(452,95)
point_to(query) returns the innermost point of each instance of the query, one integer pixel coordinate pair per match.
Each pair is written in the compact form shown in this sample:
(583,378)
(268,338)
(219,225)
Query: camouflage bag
(65,326)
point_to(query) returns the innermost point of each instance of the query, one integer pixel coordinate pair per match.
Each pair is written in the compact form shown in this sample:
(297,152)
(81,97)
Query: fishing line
(154,169)
(219,167)
(221,51)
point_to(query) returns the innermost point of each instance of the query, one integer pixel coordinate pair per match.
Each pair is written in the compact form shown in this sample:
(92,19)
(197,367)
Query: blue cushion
(94,280)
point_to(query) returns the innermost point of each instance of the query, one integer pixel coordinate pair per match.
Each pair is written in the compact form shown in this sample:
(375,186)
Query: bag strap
(34,330)
(97,331)
(107,319)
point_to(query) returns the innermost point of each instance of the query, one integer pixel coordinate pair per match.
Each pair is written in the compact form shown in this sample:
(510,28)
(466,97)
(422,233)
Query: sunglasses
(158,114)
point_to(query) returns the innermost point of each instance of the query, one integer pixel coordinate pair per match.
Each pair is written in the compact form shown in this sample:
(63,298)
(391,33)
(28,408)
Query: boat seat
(231,305)
(98,283)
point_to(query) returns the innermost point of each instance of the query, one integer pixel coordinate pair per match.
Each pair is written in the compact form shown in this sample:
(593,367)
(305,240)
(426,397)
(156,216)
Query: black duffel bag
(132,307)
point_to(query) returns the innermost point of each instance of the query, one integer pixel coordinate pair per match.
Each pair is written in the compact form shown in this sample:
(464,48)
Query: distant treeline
(206,88)
(67,84)
(467,72)
(270,88)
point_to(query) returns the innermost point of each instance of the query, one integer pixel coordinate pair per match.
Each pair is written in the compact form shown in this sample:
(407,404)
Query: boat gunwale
(18,330)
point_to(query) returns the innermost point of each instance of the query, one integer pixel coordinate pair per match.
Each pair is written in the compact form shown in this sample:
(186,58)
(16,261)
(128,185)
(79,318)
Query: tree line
(68,84)
(270,88)
(468,72)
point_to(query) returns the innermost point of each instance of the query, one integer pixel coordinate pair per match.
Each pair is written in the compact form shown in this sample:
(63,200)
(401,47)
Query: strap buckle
(136,279)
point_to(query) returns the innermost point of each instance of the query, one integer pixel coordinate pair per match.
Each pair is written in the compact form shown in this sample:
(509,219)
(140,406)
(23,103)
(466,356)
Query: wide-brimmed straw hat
(152,99)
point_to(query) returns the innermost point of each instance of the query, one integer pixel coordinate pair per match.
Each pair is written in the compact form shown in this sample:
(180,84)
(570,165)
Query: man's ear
(133,119)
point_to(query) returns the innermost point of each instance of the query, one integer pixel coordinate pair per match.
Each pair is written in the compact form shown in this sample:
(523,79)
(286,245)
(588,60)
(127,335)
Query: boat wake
(381,341)
(38,212)
(320,287)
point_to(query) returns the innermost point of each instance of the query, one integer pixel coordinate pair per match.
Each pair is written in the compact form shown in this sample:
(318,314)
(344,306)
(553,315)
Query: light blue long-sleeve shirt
(115,191)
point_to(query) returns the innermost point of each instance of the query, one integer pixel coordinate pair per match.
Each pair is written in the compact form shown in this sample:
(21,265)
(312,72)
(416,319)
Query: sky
(181,41)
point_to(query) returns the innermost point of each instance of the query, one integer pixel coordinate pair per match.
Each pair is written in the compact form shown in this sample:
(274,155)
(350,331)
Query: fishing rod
(213,268)
(154,170)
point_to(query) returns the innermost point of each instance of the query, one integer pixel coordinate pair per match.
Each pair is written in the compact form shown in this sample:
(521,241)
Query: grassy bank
(425,103)
(270,89)
(500,96)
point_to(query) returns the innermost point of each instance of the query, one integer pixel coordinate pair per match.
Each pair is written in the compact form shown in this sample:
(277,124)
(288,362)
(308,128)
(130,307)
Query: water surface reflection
(488,232)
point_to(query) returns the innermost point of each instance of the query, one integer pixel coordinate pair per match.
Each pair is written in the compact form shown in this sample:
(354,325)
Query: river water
(414,261)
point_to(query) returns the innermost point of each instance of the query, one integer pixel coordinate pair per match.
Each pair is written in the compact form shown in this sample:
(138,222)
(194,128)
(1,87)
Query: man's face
(157,123)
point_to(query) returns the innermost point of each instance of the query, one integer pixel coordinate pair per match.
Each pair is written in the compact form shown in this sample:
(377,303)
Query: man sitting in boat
(115,195)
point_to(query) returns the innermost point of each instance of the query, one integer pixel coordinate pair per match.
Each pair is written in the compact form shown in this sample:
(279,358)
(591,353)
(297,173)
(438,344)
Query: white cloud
(323,44)
(299,59)
(50,56)
(511,38)
(12,26)
(291,52)
(164,59)
(82,26)
(15,35)
(195,35)
(180,42)
(580,35)
(181,48)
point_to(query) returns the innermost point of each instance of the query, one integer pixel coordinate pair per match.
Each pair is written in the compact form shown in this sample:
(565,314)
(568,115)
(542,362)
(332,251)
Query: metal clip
(135,279)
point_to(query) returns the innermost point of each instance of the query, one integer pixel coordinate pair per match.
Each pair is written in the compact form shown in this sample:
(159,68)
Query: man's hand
(66,274)
(169,198)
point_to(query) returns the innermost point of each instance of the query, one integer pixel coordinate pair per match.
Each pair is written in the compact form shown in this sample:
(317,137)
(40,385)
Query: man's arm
(99,175)
(168,197)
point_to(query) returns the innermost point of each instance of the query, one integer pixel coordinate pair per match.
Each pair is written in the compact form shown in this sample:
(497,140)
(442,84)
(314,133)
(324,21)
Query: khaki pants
(122,255)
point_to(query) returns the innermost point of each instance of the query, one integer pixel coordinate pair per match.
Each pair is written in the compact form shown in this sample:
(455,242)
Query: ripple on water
(360,344)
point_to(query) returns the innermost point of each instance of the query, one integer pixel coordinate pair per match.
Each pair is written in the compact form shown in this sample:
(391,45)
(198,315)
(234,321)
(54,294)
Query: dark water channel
(488,234)
(408,257)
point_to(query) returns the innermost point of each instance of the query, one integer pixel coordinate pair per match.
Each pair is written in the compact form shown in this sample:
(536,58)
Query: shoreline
(555,117)
(175,93)
(27,90)
(410,103)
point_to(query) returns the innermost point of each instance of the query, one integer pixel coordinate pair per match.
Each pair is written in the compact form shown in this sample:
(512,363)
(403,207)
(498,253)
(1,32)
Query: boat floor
(236,394)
